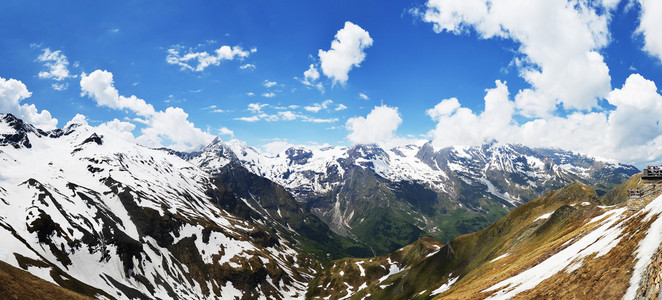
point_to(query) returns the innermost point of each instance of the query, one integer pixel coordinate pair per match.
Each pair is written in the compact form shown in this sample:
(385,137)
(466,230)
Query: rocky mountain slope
(110,219)
(389,198)
(565,244)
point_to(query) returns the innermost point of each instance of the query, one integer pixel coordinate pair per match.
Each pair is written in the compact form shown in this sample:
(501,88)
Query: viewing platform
(651,189)
(652,173)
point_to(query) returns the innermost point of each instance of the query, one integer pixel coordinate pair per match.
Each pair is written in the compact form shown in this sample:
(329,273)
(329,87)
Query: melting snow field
(544,216)
(500,257)
(65,178)
(601,240)
(647,246)
(444,287)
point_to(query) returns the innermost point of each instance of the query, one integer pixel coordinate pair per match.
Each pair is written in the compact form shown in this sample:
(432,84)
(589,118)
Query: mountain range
(389,198)
(107,218)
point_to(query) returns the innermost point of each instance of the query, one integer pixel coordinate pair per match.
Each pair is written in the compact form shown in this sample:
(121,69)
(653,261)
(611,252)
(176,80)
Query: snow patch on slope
(647,246)
(600,240)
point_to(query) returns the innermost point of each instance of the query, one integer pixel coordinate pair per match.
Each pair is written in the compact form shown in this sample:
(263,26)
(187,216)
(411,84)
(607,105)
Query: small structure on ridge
(651,189)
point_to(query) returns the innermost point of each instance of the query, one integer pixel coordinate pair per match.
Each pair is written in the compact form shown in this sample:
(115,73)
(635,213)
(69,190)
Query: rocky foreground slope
(565,244)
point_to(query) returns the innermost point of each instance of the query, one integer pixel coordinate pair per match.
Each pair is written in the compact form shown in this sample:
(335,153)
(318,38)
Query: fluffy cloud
(311,74)
(226,131)
(198,61)
(316,107)
(558,45)
(259,113)
(173,128)
(310,77)
(12,92)
(268,84)
(99,86)
(276,147)
(77,119)
(256,107)
(459,126)
(254,118)
(247,67)
(163,128)
(269,95)
(119,128)
(649,26)
(363,96)
(347,51)
(378,127)
(340,107)
(626,133)
(56,65)
(319,120)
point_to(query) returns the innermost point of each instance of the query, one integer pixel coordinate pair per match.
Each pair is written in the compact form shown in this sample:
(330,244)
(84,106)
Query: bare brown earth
(18,284)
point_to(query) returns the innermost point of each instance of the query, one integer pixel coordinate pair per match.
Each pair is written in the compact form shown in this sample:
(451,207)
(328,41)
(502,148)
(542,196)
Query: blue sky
(409,60)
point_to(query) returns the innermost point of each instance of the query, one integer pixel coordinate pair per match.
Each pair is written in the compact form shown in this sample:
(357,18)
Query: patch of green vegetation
(386,231)
(619,194)
(313,236)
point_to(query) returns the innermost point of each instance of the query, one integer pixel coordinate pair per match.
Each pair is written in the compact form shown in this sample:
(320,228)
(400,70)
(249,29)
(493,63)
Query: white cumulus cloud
(316,107)
(163,128)
(650,23)
(632,132)
(268,84)
(119,128)
(347,51)
(276,147)
(173,129)
(459,126)
(247,67)
(378,127)
(558,45)
(56,65)
(99,85)
(199,61)
(310,78)
(340,107)
(12,92)
(225,131)
(256,107)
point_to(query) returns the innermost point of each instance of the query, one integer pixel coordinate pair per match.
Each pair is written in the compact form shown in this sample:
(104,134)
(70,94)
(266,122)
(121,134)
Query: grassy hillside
(523,237)
(18,284)
(620,193)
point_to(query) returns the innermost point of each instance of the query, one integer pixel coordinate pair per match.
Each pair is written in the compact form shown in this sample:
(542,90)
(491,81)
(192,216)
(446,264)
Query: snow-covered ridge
(115,216)
(499,168)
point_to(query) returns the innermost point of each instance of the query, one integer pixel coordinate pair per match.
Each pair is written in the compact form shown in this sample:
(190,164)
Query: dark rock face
(94,138)
(298,156)
(19,139)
